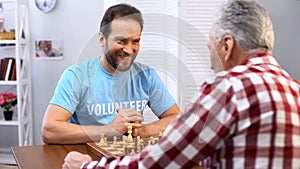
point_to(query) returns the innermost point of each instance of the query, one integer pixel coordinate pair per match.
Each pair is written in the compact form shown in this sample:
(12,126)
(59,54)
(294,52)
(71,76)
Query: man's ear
(228,46)
(102,39)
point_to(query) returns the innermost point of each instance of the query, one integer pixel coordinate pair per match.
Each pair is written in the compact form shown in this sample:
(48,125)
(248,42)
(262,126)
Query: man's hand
(136,130)
(123,118)
(74,160)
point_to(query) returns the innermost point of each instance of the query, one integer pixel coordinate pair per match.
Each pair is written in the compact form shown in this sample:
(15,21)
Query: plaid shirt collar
(260,58)
(252,60)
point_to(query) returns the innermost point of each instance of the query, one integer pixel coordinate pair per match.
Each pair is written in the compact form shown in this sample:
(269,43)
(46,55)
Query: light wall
(75,22)
(285,16)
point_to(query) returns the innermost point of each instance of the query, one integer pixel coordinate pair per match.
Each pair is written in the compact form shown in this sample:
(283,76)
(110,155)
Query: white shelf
(19,130)
(7,41)
(13,82)
(8,82)
(13,122)
(7,0)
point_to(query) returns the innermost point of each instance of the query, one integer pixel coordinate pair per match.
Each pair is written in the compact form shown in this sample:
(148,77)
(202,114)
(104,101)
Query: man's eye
(122,41)
(136,41)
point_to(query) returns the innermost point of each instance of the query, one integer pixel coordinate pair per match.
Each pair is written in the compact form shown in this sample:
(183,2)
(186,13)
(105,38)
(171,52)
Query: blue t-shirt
(92,95)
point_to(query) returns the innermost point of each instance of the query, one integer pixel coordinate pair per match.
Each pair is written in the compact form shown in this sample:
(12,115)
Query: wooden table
(45,156)
(52,156)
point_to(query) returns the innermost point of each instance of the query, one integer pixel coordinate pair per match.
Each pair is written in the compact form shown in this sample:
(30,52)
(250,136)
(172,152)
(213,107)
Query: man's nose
(128,48)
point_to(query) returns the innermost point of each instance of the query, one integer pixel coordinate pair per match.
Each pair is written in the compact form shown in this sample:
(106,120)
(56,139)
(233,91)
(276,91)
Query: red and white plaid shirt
(247,117)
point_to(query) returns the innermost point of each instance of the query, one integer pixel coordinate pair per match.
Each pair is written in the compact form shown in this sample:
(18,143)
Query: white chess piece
(129,138)
(115,140)
(102,140)
(124,138)
(132,151)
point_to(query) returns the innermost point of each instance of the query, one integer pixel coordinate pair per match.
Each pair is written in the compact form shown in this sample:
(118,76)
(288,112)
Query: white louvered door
(197,17)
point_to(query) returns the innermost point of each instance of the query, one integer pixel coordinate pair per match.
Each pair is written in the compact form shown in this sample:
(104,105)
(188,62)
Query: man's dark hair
(118,11)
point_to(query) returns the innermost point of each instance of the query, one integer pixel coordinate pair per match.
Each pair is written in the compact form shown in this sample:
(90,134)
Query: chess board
(120,147)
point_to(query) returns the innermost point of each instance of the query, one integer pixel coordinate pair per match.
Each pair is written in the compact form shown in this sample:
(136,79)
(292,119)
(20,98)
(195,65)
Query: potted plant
(7,101)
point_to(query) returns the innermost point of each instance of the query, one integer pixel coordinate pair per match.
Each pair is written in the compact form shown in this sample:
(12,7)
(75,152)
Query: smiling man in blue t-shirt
(105,93)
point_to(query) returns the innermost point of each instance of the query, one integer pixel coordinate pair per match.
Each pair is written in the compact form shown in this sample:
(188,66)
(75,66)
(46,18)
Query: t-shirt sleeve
(160,100)
(66,94)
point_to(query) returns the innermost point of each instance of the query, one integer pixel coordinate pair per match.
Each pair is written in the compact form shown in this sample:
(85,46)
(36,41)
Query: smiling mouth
(124,56)
(124,59)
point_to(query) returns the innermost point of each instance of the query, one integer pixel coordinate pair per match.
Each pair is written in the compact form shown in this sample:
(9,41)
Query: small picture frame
(48,49)
(1,24)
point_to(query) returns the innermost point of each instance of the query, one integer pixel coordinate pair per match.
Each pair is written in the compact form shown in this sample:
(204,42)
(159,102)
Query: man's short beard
(111,61)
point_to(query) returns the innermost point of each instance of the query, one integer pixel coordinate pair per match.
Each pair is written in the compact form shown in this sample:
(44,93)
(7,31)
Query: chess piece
(115,140)
(132,151)
(101,138)
(124,138)
(138,140)
(129,138)
(138,147)
(142,146)
(160,134)
(151,140)
(103,141)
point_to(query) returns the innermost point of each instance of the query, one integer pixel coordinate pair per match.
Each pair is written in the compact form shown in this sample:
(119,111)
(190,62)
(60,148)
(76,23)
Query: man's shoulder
(140,67)
(83,67)
(89,63)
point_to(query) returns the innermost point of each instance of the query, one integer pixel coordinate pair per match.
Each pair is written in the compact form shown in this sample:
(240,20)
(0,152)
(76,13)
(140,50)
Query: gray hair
(247,22)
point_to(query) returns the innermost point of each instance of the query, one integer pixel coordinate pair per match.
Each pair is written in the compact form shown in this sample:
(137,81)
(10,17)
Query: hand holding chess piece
(128,116)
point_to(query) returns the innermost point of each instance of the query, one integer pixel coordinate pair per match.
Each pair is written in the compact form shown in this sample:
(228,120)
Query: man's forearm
(155,128)
(68,133)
